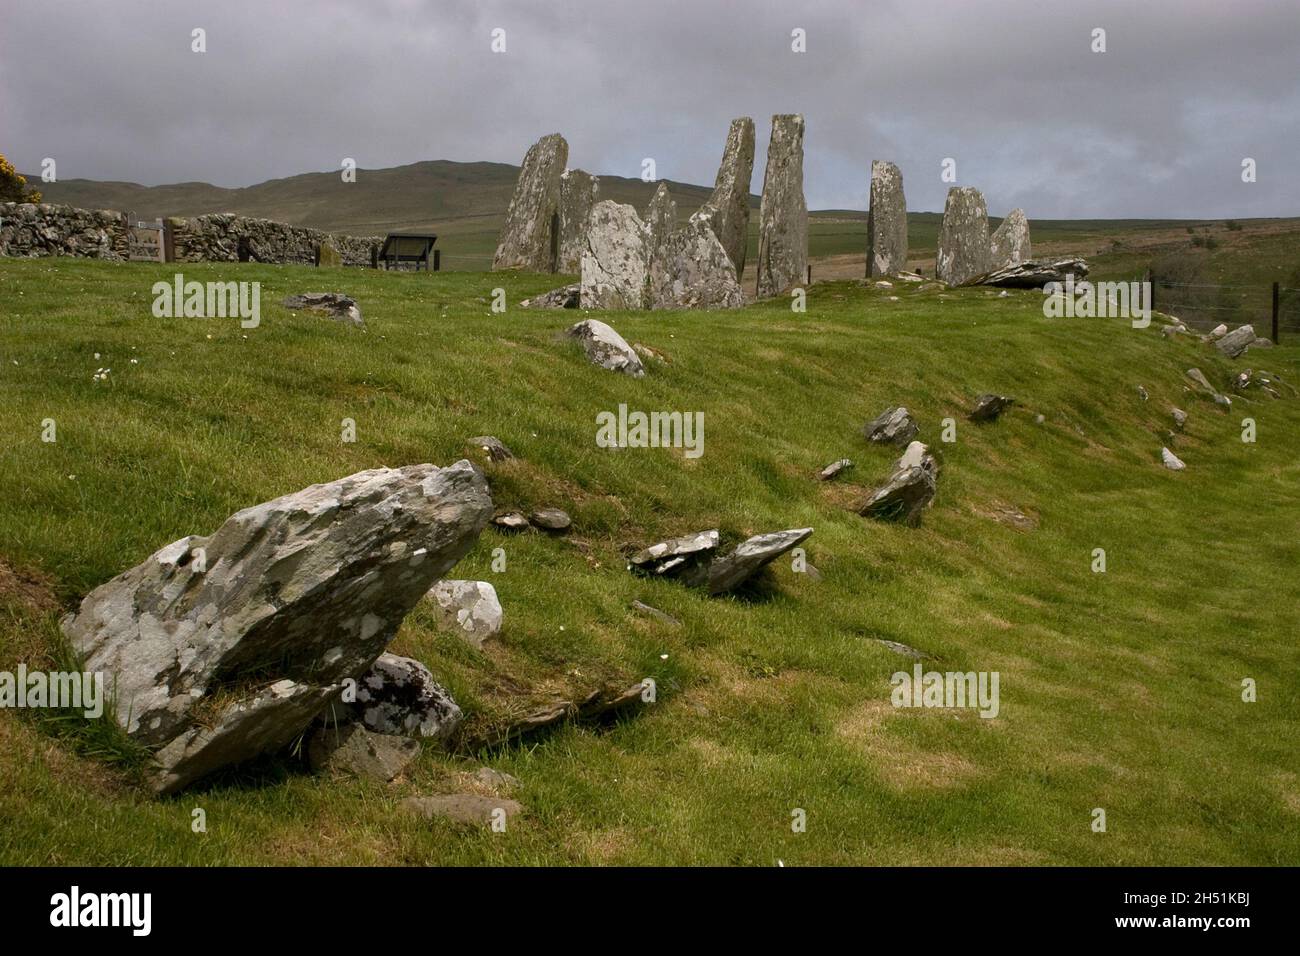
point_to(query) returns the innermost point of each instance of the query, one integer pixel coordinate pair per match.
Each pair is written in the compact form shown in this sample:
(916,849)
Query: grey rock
(350,748)
(903,497)
(1242,381)
(579,191)
(751,556)
(1216,333)
(1032,273)
(1180,417)
(662,616)
(894,426)
(886,221)
(726,211)
(493,447)
(334,305)
(1235,343)
(496,779)
(565,297)
(462,807)
(686,558)
(1171,461)
(606,348)
(660,221)
(899,648)
(1259,343)
(304,591)
(511,521)
(1203,385)
(616,259)
(783,213)
(399,697)
(834,469)
(964,250)
(468,608)
(328,255)
(691,270)
(551,519)
(1010,243)
(917,455)
(529,239)
(988,407)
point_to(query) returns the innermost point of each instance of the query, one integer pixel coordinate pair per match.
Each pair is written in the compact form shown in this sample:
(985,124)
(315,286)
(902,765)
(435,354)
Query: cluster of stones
(47,229)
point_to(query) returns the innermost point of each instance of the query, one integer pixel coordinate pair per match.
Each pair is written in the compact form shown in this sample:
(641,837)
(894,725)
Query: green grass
(1118,690)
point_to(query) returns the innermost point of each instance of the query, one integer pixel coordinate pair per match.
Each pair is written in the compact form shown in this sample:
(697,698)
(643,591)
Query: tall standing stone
(886,221)
(530,239)
(964,236)
(579,191)
(616,258)
(660,220)
(783,214)
(727,210)
(1010,243)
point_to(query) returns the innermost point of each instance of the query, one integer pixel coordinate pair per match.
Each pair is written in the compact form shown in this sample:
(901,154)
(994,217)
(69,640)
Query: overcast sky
(1156,126)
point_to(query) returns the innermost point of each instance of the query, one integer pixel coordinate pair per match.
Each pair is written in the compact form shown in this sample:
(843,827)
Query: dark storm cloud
(1156,126)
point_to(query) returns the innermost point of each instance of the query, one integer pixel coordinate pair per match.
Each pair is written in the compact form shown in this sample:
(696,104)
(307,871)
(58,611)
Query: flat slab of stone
(964,245)
(606,348)
(886,221)
(902,498)
(662,617)
(751,556)
(834,469)
(551,519)
(1033,273)
(511,521)
(333,305)
(528,238)
(783,212)
(686,558)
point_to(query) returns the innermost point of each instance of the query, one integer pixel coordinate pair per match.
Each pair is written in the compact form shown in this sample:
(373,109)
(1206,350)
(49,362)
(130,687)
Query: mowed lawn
(1119,690)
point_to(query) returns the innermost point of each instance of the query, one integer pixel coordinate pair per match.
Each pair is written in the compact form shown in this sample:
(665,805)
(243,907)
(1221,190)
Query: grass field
(1119,690)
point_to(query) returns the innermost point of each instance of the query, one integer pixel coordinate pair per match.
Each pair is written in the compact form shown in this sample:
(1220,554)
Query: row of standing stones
(557,222)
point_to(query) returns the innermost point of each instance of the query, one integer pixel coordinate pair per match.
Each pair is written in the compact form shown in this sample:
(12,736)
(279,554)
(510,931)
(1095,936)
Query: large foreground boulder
(963,236)
(220,648)
(783,213)
(530,238)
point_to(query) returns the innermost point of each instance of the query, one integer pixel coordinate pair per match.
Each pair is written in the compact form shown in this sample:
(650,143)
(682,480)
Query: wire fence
(1273,309)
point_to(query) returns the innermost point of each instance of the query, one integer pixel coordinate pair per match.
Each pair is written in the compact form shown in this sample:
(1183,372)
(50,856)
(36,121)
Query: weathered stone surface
(1180,417)
(893,426)
(463,808)
(886,221)
(692,271)
(530,238)
(493,447)
(334,305)
(1235,343)
(1171,461)
(511,521)
(751,556)
(398,696)
(834,469)
(903,497)
(783,213)
(988,407)
(468,608)
(551,519)
(900,648)
(565,297)
(1203,385)
(579,191)
(963,237)
(686,558)
(328,256)
(660,221)
(917,455)
(1010,243)
(351,748)
(616,259)
(661,616)
(726,211)
(303,591)
(606,348)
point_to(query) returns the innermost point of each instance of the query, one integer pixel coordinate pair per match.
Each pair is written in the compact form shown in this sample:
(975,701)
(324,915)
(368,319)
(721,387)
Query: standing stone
(328,256)
(1010,243)
(727,210)
(530,238)
(783,214)
(692,271)
(660,220)
(616,259)
(964,236)
(886,221)
(578,193)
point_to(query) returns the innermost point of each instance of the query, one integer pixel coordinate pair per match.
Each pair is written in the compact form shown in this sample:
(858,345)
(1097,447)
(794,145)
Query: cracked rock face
(964,250)
(686,558)
(783,213)
(886,221)
(530,239)
(894,426)
(726,211)
(469,608)
(606,348)
(691,270)
(220,648)
(903,497)
(579,191)
(751,556)
(1010,243)
(616,259)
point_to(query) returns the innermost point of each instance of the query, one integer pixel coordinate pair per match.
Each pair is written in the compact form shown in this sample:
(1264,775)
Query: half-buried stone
(909,490)
(686,558)
(606,348)
(333,305)
(751,556)
(988,407)
(894,426)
